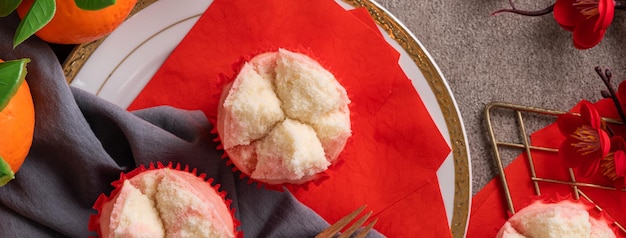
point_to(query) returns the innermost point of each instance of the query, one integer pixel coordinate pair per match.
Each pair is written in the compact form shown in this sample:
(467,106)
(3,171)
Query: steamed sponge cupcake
(565,218)
(163,202)
(284,118)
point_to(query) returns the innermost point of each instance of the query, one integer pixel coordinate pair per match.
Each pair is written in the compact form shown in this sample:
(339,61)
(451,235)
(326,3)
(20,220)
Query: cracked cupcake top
(284,118)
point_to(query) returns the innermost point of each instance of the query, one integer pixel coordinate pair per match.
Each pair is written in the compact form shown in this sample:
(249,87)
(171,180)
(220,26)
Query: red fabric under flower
(587,19)
(586,144)
(489,205)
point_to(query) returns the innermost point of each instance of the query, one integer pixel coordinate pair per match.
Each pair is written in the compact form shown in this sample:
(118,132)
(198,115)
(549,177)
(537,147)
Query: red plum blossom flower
(586,19)
(586,144)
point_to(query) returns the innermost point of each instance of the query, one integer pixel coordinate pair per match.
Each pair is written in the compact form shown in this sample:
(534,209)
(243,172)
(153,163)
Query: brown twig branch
(542,12)
(606,78)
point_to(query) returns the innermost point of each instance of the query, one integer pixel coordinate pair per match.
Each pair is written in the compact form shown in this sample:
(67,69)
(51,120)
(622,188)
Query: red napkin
(391,160)
(489,210)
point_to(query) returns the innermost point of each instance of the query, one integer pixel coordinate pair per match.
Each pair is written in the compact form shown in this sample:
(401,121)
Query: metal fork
(335,229)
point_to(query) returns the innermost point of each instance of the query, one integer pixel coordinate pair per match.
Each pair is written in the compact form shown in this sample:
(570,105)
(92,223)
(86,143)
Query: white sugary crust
(294,148)
(166,202)
(133,215)
(562,219)
(251,108)
(284,118)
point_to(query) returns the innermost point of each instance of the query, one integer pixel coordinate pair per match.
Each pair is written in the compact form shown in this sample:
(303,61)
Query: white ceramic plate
(123,63)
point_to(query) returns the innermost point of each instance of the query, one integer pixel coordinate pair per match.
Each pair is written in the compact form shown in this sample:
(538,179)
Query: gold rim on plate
(402,36)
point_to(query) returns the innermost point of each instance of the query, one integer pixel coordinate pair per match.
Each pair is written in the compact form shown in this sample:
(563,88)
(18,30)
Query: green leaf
(6,174)
(8,6)
(12,74)
(93,4)
(37,17)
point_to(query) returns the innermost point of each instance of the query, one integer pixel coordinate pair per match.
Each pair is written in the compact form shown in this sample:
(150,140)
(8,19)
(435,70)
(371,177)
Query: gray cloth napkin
(83,143)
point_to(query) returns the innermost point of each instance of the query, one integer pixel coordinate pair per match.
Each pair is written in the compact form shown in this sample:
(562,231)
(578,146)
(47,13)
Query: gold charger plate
(84,68)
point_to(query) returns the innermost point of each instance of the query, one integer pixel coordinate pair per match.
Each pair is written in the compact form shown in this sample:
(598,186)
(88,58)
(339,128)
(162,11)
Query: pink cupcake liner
(94,219)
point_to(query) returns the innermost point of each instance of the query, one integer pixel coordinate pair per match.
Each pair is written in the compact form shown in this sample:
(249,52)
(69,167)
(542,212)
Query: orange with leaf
(66,21)
(17,118)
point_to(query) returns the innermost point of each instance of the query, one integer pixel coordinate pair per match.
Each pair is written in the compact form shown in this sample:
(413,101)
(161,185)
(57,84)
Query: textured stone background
(509,58)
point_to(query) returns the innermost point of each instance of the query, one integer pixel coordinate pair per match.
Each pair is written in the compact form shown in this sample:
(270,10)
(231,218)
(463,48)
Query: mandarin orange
(17,123)
(72,25)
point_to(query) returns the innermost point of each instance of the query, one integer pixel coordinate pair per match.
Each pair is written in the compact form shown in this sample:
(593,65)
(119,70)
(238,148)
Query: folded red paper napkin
(489,210)
(389,163)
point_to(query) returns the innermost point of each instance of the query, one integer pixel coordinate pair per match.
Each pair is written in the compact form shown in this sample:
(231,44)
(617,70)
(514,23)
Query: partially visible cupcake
(284,119)
(564,217)
(163,202)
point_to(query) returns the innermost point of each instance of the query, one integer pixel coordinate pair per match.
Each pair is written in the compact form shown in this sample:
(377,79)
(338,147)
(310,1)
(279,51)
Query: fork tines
(343,222)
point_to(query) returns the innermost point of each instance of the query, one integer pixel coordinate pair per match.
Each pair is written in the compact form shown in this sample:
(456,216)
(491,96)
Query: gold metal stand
(525,145)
